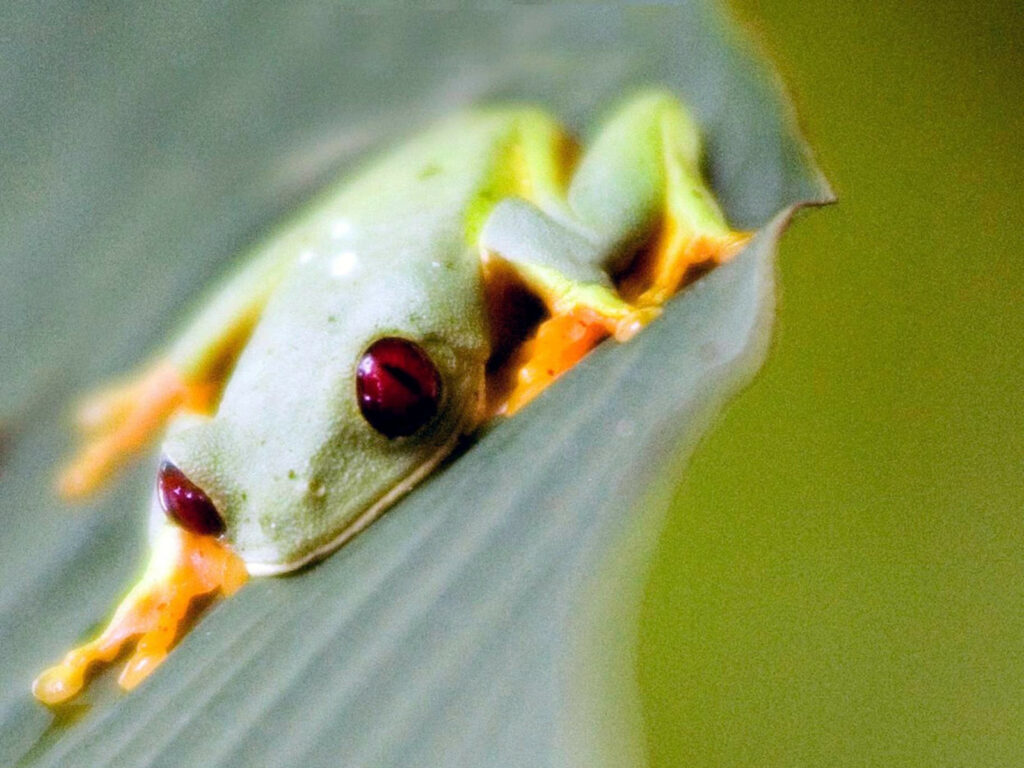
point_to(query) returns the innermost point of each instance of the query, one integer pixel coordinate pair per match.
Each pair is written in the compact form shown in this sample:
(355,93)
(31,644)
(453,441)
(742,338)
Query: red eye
(398,387)
(185,503)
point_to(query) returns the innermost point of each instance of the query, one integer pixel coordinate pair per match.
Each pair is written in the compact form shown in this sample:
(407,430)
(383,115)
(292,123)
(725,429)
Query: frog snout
(185,503)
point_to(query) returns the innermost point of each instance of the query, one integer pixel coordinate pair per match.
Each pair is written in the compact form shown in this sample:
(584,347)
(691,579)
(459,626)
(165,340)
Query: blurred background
(840,581)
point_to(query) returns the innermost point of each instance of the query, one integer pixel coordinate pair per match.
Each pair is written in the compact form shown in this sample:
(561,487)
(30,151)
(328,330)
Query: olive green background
(840,581)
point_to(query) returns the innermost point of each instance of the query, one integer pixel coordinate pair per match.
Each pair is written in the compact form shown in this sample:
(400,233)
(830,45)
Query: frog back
(288,458)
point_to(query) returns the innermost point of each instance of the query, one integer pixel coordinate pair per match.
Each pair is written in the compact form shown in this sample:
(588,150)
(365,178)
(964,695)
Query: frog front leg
(183,565)
(120,420)
(636,209)
(186,561)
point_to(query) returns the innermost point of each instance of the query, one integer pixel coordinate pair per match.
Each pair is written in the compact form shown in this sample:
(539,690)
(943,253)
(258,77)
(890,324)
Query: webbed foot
(558,344)
(183,565)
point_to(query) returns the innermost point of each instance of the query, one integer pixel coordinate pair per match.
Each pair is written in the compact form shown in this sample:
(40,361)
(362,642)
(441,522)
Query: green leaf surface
(487,619)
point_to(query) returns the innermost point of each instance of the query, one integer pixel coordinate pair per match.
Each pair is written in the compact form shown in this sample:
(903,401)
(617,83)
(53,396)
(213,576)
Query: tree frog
(446,283)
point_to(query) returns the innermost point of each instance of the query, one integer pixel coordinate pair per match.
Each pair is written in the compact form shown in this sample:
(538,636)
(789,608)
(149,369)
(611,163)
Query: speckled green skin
(288,459)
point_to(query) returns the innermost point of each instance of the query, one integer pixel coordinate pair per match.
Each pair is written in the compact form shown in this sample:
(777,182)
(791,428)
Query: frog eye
(398,387)
(185,503)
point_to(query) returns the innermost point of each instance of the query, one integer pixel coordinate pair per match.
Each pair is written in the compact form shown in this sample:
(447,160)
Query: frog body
(294,481)
(269,391)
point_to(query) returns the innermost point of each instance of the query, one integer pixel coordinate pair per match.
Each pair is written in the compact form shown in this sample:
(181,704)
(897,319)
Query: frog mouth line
(364,518)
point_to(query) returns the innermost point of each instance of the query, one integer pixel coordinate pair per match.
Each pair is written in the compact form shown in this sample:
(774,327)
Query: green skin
(288,459)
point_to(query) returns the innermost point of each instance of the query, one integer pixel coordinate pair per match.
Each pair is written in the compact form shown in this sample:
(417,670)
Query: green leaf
(487,619)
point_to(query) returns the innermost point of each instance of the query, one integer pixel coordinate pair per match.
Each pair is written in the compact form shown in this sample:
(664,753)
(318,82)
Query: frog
(444,284)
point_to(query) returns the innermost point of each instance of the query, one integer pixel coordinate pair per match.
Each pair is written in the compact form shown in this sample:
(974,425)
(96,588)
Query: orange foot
(183,565)
(121,420)
(559,343)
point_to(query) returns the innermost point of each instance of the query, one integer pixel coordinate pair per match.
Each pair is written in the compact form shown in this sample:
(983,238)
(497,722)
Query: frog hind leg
(537,242)
(639,187)
(119,420)
(183,565)
(636,208)
(560,266)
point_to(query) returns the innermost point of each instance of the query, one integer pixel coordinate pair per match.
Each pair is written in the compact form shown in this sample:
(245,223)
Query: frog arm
(120,419)
(182,566)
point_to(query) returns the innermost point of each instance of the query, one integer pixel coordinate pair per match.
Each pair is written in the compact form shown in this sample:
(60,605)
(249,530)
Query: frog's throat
(364,518)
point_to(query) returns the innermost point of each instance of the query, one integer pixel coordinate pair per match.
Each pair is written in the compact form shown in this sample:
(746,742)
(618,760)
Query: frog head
(354,385)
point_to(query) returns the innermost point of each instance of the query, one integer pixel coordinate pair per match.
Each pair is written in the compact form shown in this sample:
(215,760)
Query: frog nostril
(185,503)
